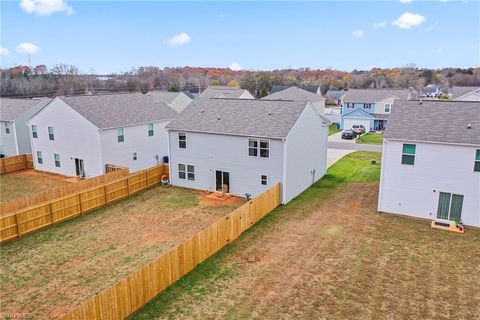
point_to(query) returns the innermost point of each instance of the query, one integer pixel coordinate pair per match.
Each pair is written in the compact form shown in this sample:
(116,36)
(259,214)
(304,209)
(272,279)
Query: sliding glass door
(450,206)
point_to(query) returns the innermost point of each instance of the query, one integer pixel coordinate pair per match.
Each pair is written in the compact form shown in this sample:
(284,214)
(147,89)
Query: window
(476,166)
(51,135)
(350,105)
(181,171)
(39,157)
(263,179)
(450,206)
(34,131)
(56,157)
(7,127)
(252,147)
(388,107)
(191,172)
(150,129)
(182,140)
(120,135)
(258,147)
(264,148)
(408,154)
(367,105)
(134,156)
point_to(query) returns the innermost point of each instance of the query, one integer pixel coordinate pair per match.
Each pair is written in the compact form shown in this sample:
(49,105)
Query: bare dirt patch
(51,271)
(26,182)
(333,259)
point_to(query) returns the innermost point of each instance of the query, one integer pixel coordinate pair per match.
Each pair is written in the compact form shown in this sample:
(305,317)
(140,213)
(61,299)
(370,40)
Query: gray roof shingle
(375,95)
(221,92)
(294,94)
(458,91)
(244,117)
(118,110)
(11,109)
(163,96)
(435,121)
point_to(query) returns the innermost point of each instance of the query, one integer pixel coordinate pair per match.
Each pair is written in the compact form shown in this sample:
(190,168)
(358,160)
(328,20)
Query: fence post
(105,193)
(80,202)
(18,226)
(50,208)
(146,174)
(128,185)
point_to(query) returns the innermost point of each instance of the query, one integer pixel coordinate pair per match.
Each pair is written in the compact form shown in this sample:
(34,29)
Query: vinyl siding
(414,190)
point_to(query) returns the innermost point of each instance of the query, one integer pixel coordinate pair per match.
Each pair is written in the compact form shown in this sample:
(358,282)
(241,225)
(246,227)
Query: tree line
(63,79)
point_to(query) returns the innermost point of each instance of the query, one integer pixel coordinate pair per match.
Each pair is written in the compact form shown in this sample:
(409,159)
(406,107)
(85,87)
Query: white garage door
(348,123)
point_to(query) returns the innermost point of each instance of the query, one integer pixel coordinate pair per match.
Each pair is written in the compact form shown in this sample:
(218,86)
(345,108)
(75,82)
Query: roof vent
(218,117)
(469,126)
(202,111)
(270,113)
(421,101)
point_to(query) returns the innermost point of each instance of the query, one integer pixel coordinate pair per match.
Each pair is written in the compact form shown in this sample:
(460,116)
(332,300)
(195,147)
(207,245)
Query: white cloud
(45,7)
(439,50)
(179,39)
(27,48)
(408,20)
(225,15)
(380,24)
(235,66)
(358,33)
(4,51)
(406,1)
(443,0)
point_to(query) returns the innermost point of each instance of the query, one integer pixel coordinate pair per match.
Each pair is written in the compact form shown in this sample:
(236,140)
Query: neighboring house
(225,92)
(79,135)
(333,114)
(465,93)
(247,146)
(297,94)
(370,107)
(14,113)
(431,161)
(176,100)
(335,97)
(309,88)
(432,91)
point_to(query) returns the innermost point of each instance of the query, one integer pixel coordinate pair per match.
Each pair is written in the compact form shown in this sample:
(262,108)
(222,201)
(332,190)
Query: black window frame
(182,140)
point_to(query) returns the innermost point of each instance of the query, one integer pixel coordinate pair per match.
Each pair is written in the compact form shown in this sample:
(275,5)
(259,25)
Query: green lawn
(371,138)
(332,129)
(328,255)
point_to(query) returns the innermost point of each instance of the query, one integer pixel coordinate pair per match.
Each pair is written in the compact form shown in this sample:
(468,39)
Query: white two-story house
(242,146)
(14,113)
(431,161)
(79,135)
(370,107)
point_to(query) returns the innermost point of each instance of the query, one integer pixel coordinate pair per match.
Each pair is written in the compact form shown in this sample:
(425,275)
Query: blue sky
(117,36)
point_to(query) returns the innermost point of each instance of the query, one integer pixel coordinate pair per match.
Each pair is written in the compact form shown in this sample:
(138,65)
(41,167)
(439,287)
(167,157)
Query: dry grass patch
(26,182)
(49,272)
(329,255)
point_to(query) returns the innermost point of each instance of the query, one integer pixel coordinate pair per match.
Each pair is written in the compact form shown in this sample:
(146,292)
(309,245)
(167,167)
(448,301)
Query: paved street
(335,142)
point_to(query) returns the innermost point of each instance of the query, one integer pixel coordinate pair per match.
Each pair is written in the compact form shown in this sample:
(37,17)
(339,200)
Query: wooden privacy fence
(15,163)
(66,202)
(112,167)
(132,292)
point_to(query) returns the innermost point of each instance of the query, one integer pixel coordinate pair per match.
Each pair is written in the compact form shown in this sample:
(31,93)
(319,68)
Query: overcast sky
(117,36)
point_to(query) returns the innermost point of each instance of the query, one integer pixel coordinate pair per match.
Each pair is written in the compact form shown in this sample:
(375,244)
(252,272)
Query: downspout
(169,153)
(284,180)
(14,129)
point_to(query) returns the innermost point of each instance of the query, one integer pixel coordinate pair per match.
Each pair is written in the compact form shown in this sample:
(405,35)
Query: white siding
(319,106)
(380,106)
(210,152)
(75,137)
(414,190)
(8,142)
(306,153)
(136,140)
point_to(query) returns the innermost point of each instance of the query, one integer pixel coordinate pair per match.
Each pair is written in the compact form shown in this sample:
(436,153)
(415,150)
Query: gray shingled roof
(221,92)
(11,109)
(435,121)
(244,117)
(335,94)
(294,94)
(118,110)
(374,95)
(458,91)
